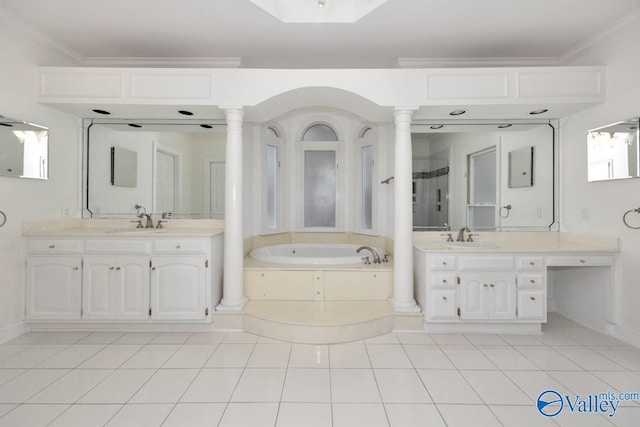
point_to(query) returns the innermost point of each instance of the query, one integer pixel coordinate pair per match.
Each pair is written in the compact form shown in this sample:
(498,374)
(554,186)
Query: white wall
(598,207)
(31,199)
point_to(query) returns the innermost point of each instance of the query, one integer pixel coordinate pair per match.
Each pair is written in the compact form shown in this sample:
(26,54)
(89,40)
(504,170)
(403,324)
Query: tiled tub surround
(237,379)
(511,287)
(84,273)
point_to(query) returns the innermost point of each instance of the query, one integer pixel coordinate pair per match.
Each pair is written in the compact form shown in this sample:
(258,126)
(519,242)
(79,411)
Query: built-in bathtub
(316,272)
(313,254)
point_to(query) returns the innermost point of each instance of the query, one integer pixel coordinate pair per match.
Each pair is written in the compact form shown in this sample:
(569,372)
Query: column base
(225,306)
(405,306)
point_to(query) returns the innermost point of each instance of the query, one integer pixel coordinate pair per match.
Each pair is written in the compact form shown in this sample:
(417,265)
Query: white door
(216,188)
(53,287)
(178,287)
(165,182)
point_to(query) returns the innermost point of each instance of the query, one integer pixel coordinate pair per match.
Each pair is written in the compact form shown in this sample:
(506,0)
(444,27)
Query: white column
(233,298)
(403,299)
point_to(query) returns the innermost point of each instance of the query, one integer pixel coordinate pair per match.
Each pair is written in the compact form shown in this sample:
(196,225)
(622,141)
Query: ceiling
(239,33)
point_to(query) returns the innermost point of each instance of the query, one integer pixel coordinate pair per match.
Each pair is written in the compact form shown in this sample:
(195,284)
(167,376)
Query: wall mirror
(24,149)
(612,151)
(170,168)
(462,176)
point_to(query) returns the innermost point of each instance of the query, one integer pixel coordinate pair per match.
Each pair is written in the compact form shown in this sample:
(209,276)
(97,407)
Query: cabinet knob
(444,298)
(532,281)
(76,268)
(111,268)
(492,285)
(532,298)
(153,268)
(444,280)
(582,261)
(177,246)
(532,263)
(52,246)
(485,285)
(444,262)
(118,268)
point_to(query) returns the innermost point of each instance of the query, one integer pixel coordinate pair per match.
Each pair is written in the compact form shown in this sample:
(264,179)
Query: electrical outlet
(66,212)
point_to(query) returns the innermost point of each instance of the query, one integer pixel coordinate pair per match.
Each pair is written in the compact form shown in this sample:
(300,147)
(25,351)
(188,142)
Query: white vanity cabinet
(53,287)
(53,279)
(178,287)
(120,279)
(492,290)
(115,287)
(487,296)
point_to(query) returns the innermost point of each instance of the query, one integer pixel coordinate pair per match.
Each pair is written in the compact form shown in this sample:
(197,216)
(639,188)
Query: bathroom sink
(134,230)
(470,245)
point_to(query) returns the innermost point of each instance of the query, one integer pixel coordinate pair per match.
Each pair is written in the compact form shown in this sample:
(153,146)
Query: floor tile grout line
(244,369)
(284,383)
(373,373)
(190,384)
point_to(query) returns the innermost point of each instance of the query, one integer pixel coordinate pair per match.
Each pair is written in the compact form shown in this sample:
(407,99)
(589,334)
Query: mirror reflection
(173,169)
(24,149)
(462,173)
(612,151)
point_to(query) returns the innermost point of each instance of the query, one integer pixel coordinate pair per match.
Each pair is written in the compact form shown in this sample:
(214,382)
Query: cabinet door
(96,288)
(116,288)
(473,295)
(53,287)
(132,285)
(444,304)
(178,287)
(502,300)
(531,304)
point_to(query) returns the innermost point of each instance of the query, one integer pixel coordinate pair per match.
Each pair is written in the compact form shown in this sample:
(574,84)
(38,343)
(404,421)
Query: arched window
(271,131)
(366,132)
(319,132)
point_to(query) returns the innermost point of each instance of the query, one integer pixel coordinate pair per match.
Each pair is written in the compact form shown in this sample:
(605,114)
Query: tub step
(323,322)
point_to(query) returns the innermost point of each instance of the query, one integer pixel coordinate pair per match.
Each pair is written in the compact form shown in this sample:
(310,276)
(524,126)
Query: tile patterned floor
(236,379)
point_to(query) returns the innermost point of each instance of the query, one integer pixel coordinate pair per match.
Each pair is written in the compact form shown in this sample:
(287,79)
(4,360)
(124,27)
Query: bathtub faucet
(376,257)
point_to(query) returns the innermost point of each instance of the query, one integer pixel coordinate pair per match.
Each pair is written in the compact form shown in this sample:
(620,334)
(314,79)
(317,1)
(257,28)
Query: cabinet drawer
(530,279)
(443,279)
(486,263)
(444,304)
(179,245)
(577,260)
(117,246)
(531,305)
(530,263)
(54,246)
(443,263)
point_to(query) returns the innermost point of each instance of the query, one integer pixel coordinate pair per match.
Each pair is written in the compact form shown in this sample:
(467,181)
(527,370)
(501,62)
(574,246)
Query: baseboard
(626,334)
(13,331)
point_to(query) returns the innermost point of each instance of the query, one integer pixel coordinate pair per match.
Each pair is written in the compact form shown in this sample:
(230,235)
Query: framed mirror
(612,151)
(24,149)
(170,168)
(481,175)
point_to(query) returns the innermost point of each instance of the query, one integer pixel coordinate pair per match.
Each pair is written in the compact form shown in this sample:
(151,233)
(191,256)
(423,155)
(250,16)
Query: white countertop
(522,242)
(121,228)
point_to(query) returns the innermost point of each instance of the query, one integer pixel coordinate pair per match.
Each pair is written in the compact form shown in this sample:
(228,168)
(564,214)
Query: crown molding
(586,44)
(475,62)
(163,62)
(25,29)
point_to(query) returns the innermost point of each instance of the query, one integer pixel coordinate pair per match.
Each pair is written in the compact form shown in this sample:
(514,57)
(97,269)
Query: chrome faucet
(376,257)
(460,237)
(148,221)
